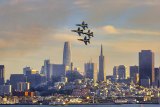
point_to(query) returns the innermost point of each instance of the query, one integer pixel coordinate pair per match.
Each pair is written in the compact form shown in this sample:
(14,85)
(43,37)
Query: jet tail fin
(92,34)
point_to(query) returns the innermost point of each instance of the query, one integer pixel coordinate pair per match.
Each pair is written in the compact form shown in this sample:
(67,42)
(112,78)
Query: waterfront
(122,105)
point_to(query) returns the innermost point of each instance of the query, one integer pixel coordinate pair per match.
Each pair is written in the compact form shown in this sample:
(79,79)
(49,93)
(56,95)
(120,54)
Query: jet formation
(81,31)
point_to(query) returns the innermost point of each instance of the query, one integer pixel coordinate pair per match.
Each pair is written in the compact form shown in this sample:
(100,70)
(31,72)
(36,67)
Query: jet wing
(80,39)
(73,30)
(85,42)
(83,27)
(79,33)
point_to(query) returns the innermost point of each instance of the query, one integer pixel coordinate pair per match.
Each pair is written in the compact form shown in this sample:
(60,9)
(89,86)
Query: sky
(34,30)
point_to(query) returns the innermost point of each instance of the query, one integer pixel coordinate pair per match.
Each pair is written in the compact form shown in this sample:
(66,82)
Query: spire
(101,50)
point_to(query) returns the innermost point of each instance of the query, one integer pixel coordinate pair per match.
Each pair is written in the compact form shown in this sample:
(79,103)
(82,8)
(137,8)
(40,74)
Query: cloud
(110,29)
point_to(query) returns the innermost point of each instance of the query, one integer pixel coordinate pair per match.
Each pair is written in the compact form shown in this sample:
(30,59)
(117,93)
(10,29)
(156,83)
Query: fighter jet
(83,25)
(89,34)
(79,31)
(85,40)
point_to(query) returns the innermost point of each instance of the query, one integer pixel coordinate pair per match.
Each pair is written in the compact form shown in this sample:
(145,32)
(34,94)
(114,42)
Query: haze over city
(34,30)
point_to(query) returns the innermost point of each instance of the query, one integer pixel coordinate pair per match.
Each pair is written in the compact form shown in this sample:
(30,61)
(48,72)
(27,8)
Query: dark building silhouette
(35,79)
(145,82)
(47,71)
(146,66)
(16,78)
(42,70)
(27,71)
(2,74)
(157,77)
(115,72)
(91,71)
(122,73)
(134,73)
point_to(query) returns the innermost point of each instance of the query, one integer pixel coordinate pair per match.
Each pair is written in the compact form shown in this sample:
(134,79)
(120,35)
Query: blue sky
(34,30)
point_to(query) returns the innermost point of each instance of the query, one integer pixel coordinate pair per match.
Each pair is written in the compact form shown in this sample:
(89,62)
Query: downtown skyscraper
(102,70)
(146,66)
(157,77)
(47,69)
(91,71)
(134,73)
(122,72)
(67,54)
(2,74)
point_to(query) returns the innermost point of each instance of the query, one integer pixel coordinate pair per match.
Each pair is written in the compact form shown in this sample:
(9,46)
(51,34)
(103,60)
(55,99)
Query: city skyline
(32,31)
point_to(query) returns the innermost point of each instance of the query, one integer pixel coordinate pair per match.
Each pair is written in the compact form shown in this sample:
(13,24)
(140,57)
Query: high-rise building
(27,70)
(115,71)
(122,72)
(42,70)
(67,54)
(91,71)
(102,70)
(5,89)
(2,74)
(146,65)
(47,69)
(134,73)
(157,77)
